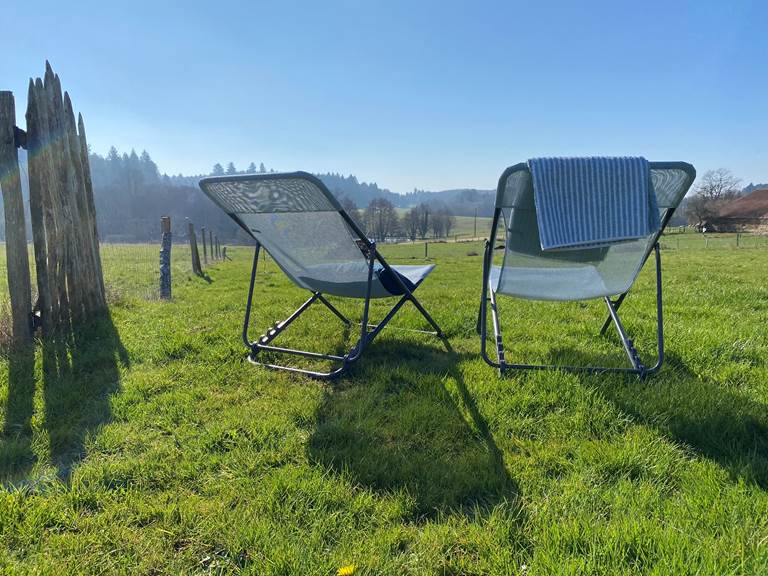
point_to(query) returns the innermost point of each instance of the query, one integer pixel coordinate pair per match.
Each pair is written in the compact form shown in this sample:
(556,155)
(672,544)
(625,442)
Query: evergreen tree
(231,168)
(218,169)
(113,156)
(262,168)
(251,168)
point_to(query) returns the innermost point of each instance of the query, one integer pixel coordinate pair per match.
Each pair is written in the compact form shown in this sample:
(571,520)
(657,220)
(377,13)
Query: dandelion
(347,570)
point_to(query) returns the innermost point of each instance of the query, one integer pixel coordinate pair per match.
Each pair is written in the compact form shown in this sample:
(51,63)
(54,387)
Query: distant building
(746,214)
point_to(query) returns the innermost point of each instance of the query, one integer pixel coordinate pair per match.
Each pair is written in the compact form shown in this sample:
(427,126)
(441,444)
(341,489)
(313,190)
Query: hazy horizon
(434,96)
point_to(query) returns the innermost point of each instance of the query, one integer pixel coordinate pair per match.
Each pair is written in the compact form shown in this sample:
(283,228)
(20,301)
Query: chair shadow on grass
(698,412)
(395,426)
(80,371)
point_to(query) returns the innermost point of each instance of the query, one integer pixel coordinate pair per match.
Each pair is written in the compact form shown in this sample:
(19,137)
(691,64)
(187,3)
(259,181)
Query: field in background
(134,270)
(164,451)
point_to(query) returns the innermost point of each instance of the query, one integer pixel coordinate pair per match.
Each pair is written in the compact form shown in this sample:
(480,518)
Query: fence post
(426,250)
(165,258)
(39,206)
(205,248)
(196,269)
(210,239)
(216,242)
(19,284)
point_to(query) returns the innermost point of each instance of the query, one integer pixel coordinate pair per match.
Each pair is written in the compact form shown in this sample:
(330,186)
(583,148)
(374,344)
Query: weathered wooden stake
(165,258)
(91,213)
(210,240)
(205,246)
(196,268)
(19,285)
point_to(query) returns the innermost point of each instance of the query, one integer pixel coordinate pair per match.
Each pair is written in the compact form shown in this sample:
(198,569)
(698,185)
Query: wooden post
(426,250)
(19,285)
(165,258)
(216,243)
(210,240)
(196,268)
(205,246)
(38,206)
(91,213)
(85,266)
(69,302)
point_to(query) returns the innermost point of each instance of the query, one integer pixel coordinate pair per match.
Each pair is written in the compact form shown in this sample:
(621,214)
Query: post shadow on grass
(712,420)
(398,428)
(81,369)
(15,442)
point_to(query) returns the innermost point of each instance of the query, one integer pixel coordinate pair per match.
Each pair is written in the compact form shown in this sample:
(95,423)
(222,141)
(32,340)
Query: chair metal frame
(367,331)
(638,368)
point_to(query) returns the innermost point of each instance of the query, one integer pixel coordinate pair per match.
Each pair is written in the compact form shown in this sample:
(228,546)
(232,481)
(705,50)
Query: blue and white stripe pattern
(589,202)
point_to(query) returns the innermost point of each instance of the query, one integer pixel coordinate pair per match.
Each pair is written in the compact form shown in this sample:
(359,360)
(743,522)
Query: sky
(409,94)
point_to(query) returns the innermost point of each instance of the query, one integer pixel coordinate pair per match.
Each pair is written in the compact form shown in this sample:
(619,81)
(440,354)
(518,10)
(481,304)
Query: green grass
(149,445)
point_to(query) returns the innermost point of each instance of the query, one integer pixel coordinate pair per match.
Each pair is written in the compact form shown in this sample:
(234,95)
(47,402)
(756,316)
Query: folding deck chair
(321,249)
(605,272)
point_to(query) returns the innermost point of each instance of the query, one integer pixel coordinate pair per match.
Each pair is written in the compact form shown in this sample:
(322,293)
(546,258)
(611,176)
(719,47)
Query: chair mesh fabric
(529,272)
(299,224)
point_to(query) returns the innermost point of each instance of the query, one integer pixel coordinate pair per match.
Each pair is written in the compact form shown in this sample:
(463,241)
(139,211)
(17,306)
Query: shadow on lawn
(80,370)
(399,428)
(699,412)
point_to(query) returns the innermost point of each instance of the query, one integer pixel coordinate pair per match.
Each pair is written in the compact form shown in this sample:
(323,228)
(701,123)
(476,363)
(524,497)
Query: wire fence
(133,270)
(130,271)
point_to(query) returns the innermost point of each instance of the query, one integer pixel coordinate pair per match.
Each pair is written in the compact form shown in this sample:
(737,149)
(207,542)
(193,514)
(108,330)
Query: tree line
(131,194)
(380,220)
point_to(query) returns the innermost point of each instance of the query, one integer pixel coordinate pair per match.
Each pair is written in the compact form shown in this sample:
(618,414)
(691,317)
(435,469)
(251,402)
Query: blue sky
(408,94)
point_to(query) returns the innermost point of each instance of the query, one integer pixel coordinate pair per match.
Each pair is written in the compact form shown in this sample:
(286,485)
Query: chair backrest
(530,272)
(300,223)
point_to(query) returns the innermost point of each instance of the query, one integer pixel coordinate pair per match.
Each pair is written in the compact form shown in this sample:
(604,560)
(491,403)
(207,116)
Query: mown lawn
(151,446)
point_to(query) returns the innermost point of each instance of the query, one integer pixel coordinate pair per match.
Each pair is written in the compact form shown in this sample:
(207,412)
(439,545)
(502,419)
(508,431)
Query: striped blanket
(591,202)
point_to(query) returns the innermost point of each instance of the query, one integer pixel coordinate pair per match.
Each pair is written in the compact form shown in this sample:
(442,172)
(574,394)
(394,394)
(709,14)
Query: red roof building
(745,214)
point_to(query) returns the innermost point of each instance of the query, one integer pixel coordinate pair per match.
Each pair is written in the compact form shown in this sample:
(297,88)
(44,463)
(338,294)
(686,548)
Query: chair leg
(420,308)
(263,344)
(629,346)
(497,333)
(608,321)
(335,310)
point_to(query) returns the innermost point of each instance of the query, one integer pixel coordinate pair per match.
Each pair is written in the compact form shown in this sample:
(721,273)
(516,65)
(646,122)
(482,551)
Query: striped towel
(591,202)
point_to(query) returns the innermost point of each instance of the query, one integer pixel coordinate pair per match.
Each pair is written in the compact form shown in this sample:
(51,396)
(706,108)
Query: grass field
(156,448)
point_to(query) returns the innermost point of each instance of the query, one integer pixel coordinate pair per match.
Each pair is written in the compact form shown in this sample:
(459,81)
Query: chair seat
(414,273)
(550,283)
(350,279)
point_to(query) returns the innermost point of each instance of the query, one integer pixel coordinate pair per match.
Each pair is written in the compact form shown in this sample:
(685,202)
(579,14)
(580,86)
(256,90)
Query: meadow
(158,448)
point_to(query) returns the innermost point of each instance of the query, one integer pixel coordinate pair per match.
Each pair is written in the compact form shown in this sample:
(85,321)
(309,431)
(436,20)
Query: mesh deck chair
(320,248)
(606,272)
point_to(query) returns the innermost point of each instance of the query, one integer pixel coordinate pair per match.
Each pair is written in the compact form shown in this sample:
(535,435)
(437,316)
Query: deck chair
(321,249)
(605,272)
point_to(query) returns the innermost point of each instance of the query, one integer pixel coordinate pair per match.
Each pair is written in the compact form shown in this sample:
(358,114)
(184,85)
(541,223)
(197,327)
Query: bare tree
(411,223)
(380,218)
(438,224)
(423,212)
(450,222)
(351,208)
(714,189)
(718,184)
